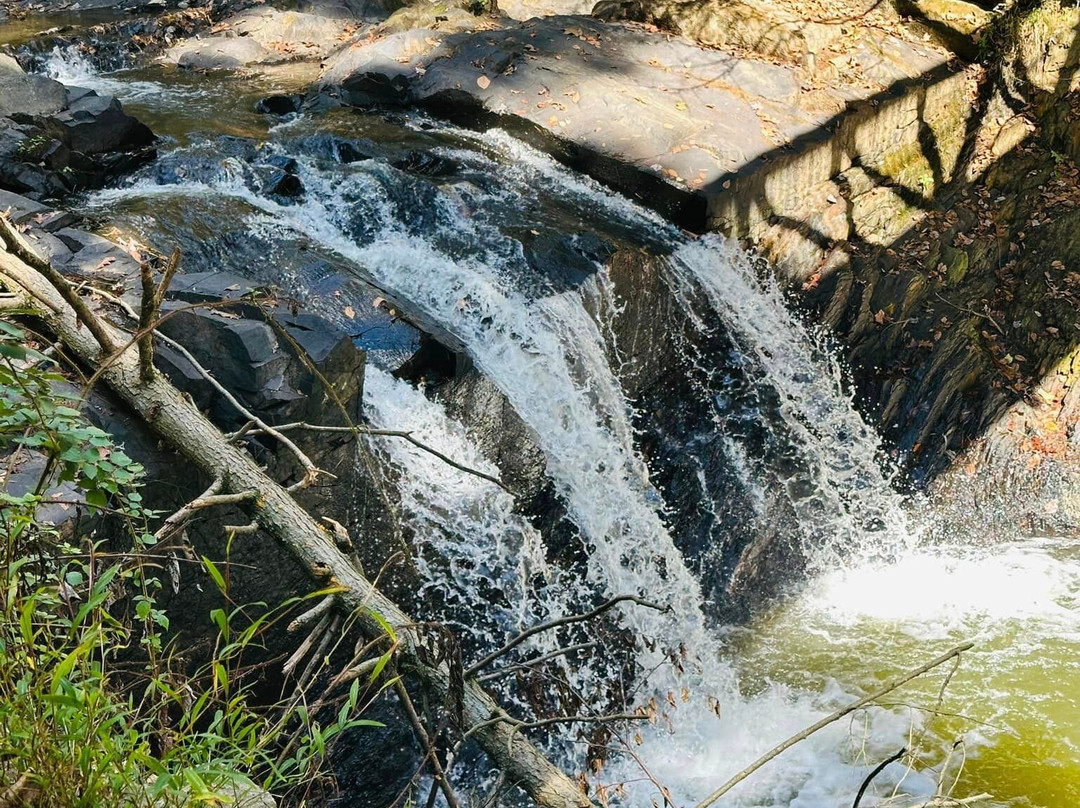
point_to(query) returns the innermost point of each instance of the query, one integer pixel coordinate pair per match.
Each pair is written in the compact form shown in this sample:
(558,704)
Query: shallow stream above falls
(746,433)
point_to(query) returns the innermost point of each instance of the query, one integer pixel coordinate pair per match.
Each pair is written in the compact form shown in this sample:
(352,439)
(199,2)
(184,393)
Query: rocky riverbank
(56,139)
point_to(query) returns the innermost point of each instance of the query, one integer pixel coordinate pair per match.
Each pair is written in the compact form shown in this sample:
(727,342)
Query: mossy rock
(956,264)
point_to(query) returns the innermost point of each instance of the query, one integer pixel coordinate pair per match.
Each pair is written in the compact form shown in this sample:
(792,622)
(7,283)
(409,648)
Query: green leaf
(212,569)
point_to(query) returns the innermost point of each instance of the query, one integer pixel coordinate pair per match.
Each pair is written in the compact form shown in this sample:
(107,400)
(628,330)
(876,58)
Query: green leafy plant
(93,710)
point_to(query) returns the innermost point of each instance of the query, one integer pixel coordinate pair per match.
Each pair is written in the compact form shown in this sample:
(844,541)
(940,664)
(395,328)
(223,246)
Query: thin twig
(529,663)
(829,719)
(310,470)
(317,611)
(560,621)
(422,736)
(166,278)
(178,519)
(385,433)
(952,802)
(878,769)
(558,719)
(320,652)
(147,315)
(299,654)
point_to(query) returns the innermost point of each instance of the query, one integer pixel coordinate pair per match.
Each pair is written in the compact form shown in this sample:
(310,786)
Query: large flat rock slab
(653,114)
(261,36)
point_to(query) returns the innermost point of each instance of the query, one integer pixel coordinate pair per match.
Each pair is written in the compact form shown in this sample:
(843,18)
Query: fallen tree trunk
(187,430)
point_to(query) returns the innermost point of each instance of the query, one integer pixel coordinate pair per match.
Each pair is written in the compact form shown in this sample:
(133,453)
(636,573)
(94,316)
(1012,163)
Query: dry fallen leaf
(105,262)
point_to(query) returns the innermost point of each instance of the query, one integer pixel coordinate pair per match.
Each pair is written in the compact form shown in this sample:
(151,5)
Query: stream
(504,250)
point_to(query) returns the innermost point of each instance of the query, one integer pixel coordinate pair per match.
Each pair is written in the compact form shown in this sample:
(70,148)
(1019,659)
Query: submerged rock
(427,164)
(279,105)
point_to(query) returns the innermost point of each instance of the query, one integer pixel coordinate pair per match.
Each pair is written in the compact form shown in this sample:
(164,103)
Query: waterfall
(441,249)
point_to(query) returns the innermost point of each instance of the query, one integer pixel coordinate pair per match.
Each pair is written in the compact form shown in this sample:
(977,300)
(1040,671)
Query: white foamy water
(960,591)
(853,509)
(442,504)
(71,67)
(549,358)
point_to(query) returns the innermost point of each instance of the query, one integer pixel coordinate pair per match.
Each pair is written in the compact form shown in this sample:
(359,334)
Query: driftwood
(91,339)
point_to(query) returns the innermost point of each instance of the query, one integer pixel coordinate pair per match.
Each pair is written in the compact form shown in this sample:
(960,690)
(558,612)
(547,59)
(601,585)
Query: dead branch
(951,802)
(166,278)
(878,769)
(561,719)
(250,529)
(425,741)
(557,622)
(320,653)
(147,316)
(529,663)
(177,521)
(829,719)
(385,433)
(302,650)
(318,610)
(182,426)
(207,499)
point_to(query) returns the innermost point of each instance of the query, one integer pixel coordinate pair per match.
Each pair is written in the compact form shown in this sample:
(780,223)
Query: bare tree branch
(386,433)
(528,664)
(422,736)
(560,621)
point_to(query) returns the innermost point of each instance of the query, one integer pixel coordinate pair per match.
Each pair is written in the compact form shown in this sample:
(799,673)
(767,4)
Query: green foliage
(93,711)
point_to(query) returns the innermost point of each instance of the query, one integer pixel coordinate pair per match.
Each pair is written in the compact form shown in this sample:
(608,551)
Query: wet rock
(98,124)
(30,95)
(279,105)
(54,139)
(284,162)
(281,183)
(347,151)
(427,164)
(373,765)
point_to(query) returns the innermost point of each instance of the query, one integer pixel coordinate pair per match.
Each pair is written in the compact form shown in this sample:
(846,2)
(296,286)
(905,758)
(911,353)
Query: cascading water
(443,247)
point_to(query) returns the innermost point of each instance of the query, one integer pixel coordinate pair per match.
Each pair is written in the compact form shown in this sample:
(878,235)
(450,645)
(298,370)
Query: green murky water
(1015,698)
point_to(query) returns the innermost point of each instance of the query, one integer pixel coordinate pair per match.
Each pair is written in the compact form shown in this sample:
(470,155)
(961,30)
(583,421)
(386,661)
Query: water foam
(70,66)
